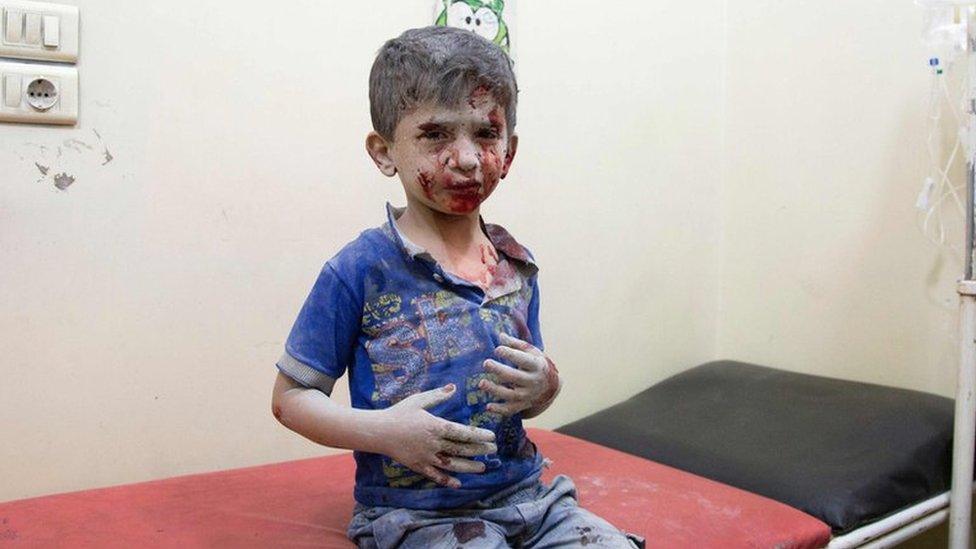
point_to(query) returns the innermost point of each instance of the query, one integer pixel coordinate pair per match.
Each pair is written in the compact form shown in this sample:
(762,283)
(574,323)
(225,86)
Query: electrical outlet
(38,31)
(38,94)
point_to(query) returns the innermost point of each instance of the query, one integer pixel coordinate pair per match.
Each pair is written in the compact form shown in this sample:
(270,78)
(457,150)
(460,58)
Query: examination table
(308,503)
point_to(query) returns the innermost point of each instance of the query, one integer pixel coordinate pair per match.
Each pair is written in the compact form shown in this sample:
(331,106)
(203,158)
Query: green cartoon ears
(482,17)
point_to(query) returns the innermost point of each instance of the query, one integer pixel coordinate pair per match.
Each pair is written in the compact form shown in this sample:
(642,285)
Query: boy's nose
(465,156)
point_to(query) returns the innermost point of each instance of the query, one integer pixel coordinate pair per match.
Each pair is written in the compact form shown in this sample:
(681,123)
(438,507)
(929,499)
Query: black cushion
(845,452)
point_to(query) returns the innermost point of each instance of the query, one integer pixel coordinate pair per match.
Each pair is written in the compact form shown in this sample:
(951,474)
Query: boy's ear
(379,150)
(510,153)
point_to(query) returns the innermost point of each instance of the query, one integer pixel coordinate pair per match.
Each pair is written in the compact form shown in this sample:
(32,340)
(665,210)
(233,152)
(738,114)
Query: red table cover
(309,502)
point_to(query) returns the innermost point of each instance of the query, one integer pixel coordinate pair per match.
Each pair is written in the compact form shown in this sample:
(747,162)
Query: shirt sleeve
(322,341)
(533,316)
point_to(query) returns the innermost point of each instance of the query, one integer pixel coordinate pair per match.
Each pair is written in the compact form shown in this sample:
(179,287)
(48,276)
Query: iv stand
(964,437)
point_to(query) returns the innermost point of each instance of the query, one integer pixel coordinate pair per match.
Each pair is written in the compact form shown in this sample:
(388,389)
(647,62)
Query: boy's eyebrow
(431,125)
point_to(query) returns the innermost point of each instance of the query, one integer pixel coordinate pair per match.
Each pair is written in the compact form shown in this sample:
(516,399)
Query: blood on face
(463,194)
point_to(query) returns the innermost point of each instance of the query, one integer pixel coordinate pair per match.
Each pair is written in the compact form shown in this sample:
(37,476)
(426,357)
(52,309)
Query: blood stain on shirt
(467,531)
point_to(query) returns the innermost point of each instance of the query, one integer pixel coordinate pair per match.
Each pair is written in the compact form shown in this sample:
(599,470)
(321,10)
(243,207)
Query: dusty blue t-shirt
(385,311)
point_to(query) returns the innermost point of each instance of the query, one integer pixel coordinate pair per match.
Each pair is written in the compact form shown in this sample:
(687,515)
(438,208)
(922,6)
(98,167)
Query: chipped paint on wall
(57,164)
(62,181)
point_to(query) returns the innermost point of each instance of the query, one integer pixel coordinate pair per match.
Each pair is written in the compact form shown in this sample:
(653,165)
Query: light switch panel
(39,31)
(38,94)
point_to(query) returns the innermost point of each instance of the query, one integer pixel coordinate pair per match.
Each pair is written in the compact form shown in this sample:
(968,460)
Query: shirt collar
(501,239)
(405,244)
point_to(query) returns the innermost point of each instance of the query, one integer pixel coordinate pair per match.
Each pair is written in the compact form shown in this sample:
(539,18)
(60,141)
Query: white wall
(144,306)
(823,268)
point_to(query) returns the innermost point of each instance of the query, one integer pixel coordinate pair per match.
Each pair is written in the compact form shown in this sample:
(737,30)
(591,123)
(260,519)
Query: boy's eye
(490,133)
(433,135)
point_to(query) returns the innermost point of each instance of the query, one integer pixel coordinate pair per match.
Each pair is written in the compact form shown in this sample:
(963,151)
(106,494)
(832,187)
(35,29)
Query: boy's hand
(430,445)
(532,385)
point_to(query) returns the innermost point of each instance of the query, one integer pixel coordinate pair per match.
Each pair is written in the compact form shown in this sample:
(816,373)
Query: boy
(436,317)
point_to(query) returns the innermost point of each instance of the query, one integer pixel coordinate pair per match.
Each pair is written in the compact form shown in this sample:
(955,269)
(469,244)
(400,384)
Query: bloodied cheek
(427,184)
(491,164)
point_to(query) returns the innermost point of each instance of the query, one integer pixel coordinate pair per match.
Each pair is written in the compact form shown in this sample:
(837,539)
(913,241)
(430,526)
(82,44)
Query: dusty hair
(443,65)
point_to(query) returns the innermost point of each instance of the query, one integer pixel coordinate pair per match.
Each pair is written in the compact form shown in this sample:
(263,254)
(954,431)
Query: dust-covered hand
(430,445)
(532,385)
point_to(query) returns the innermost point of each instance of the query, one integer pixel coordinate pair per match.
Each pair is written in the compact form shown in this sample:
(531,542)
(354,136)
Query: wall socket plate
(38,94)
(38,31)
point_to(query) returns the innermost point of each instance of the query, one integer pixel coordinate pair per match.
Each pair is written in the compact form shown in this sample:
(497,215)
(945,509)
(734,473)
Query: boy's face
(449,159)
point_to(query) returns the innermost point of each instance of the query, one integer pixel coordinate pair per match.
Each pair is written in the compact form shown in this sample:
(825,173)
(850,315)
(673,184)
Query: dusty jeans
(529,514)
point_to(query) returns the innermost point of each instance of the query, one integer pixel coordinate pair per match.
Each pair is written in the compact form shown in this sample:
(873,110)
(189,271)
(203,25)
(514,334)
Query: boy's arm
(314,415)
(406,432)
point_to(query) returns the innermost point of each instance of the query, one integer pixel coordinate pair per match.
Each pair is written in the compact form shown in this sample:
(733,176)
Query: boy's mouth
(464,186)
